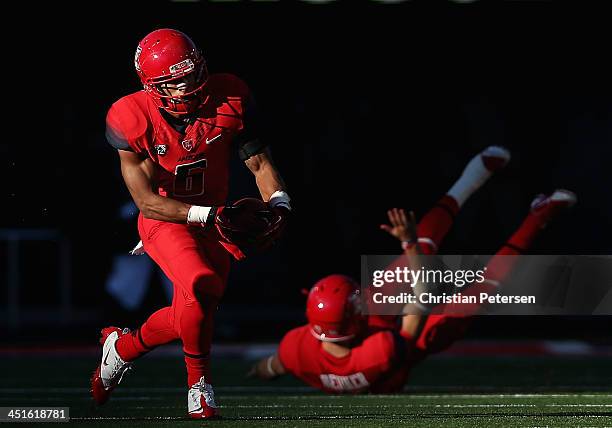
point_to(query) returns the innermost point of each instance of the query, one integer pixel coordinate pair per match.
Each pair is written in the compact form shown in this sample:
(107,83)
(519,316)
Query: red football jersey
(190,166)
(376,365)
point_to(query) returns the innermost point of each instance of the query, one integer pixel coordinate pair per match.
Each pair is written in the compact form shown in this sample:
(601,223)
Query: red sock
(197,366)
(434,225)
(499,267)
(522,239)
(196,324)
(157,330)
(130,346)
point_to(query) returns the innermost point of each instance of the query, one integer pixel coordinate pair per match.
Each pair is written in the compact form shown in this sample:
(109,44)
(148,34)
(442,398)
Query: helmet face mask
(169,57)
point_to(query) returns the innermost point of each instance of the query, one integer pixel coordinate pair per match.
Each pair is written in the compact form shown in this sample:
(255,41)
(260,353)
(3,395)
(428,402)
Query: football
(246,221)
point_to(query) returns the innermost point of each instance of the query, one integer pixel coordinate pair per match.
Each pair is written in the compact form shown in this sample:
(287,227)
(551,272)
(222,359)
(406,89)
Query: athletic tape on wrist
(269,366)
(280,198)
(198,214)
(408,244)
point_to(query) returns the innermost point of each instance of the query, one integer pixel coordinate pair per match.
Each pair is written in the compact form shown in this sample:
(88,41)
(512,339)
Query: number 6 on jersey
(189,180)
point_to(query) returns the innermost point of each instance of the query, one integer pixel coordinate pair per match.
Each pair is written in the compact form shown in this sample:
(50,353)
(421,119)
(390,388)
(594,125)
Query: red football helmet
(333,309)
(166,55)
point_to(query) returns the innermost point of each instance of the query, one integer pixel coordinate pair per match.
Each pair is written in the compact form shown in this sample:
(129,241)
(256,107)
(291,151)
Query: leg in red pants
(440,331)
(198,267)
(436,223)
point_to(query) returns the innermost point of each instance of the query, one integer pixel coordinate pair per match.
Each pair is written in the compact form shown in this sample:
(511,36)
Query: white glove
(138,250)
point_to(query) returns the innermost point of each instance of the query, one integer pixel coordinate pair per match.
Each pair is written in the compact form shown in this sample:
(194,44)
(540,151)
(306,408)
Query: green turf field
(443,392)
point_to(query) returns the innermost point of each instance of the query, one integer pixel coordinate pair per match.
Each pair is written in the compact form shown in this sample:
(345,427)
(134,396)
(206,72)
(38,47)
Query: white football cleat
(112,368)
(561,198)
(201,401)
(495,158)
(549,206)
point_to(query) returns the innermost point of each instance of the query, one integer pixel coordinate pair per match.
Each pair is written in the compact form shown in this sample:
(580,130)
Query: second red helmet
(333,309)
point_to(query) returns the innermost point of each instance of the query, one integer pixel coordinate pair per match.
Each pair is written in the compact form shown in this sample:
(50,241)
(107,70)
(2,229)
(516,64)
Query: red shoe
(201,401)
(111,369)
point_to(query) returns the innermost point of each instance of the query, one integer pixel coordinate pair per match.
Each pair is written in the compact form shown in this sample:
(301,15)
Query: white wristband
(408,244)
(269,366)
(197,214)
(280,198)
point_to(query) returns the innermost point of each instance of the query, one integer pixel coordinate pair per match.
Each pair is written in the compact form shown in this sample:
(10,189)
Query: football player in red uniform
(342,351)
(174,141)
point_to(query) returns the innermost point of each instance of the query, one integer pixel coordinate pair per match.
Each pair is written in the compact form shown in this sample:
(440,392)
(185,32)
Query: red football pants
(198,267)
(440,330)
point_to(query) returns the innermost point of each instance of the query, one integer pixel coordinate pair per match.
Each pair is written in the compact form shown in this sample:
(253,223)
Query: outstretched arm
(403,228)
(267,368)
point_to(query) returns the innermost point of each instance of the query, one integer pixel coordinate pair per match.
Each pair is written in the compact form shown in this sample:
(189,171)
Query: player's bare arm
(267,368)
(403,227)
(138,176)
(267,177)
(414,320)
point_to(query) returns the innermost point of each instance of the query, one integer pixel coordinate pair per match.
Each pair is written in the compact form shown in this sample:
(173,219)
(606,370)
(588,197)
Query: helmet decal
(182,67)
(136,58)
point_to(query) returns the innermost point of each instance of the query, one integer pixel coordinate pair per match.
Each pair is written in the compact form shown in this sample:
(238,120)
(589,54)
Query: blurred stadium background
(368,106)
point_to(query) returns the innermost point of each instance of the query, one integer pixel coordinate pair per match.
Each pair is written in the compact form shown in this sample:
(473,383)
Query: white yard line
(290,389)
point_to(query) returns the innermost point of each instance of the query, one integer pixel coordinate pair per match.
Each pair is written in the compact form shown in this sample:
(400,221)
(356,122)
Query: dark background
(368,106)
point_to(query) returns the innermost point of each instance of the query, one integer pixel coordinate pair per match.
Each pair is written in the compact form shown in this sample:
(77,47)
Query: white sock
(474,175)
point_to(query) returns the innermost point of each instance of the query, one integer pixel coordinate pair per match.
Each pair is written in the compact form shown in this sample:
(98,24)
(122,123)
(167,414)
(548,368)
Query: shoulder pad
(128,116)
(227,85)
